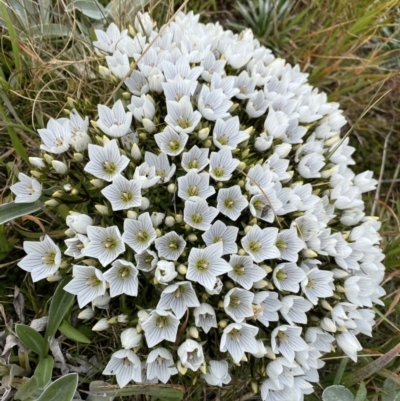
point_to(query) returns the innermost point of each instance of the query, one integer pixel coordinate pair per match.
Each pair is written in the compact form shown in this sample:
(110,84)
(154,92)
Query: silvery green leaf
(337,393)
(391,391)
(91,8)
(11,211)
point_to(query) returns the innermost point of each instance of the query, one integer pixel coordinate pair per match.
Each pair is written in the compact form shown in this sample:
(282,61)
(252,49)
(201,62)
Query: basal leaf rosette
(214,219)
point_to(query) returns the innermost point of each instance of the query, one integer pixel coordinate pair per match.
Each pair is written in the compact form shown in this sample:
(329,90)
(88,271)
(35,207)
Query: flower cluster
(216,196)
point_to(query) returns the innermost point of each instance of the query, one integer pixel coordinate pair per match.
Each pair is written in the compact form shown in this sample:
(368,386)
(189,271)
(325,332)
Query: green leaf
(11,211)
(91,8)
(48,30)
(31,339)
(361,393)
(44,371)
(72,333)
(391,391)
(93,388)
(60,305)
(163,391)
(337,393)
(63,389)
(27,389)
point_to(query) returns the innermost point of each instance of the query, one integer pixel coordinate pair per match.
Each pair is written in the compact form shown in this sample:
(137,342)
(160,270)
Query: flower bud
(102,209)
(54,277)
(58,194)
(193,332)
(143,136)
(241,166)
(64,264)
(242,252)
(101,325)
(171,188)
(182,269)
(113,320)
(51,203)
(157,218)
(90,262)
(135,152)
(79,157)
(207,143)
(104,71)
(229,285)
(86,314)
(233,107)
(182,370)
(247,229)
(36,174)
(130,338)
(339,273)
(192,237)
(169,221)
(37,162)
(148,125)
(145,204)
(123,318)
(47,158)
(223,323)
(254,387)
(67,187)
(126,95)
(203,133)
(260,284)
(339,288)
(96,182)
(69,232)
(102,301)
(75,191)
(325,304)
(203,368)
(270,354)
(139,328)
(158,233)
(132,215)
(328,325)
(309,253)
(178,218)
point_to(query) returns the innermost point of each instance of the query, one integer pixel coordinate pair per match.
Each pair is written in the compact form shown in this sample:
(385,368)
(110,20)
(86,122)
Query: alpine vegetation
(212,204)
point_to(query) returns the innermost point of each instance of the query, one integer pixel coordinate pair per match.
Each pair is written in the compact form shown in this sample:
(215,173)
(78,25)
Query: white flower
(219,232)
(317,284)
(266,308)
(195,160)
(146,175)
(137,83)
(170,142)
(287,276)
(294,309)
(140,233)
(126,366)
(263,208)
(165,272)
(78,222)
(160,325)
(218,374)
(142,108)
(226,133)
(191,354)
(237,339)
(194,184)
(170,246)
(206,264)
(286,340)
(114,122)
(118,64)
(105,244)
(213,104)
(263,142)
(130,338)
(75,246)
(349,344)
(222,165)
(204,316)
(178,297)
(244,271)
(258,178)
(37,162)
(122,277)
(79,138)
(260,244)
(198,214)
(359,289)
(257,105)
(237,304)
(27,190)
(245,84)
(181,68)
(101,301)
(56,136)
(107,41)
(181,117)
(157,218)
(88,283)
(146,261)
(212,66)
(163,169)
(123,194)
(231,202)
(106,162)
(160,365)
(289,244)
(43,258)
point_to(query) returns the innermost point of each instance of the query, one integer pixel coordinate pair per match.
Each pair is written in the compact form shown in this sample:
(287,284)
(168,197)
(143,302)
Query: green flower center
(173,245)
(126,196)
(235,334)
(174,145)
(124,272)
(193,191)
(311,283)
(281,275)
(239,269)
(258,205)
(93,281)
(162,321)
(217,239)
(183,122)
(229,203)
(255,246)
(180,291)
(193,164)
(142,236)
(202,265)
(149,259)
(235,302)
(219,171)
(110,243)
(281,244)
(109,167)
(197,218)
(223,139)
(48,258)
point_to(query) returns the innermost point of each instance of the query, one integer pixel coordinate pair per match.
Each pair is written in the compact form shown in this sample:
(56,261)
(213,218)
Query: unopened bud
(179,218)
(86,314)
(37,162)
(96,182)
(36,174)
(79,157)
(122,318)
(51,203)
(241,252)
(192,237)
(135,152)
(113,320)
(207,143)
(132,215)
(203,368)
(171,188)
(309,253)
(158,233)
(48,158)
(193,332)
(182,269)
(60,167)
(148,125)
(203,133)
(102,209)
(58,194)
(325,304)
(247,229)
(75,191)
(254,387)
(182,369)
(169,221)
(101,325)
(144,204)
(223,323)
(64,264)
